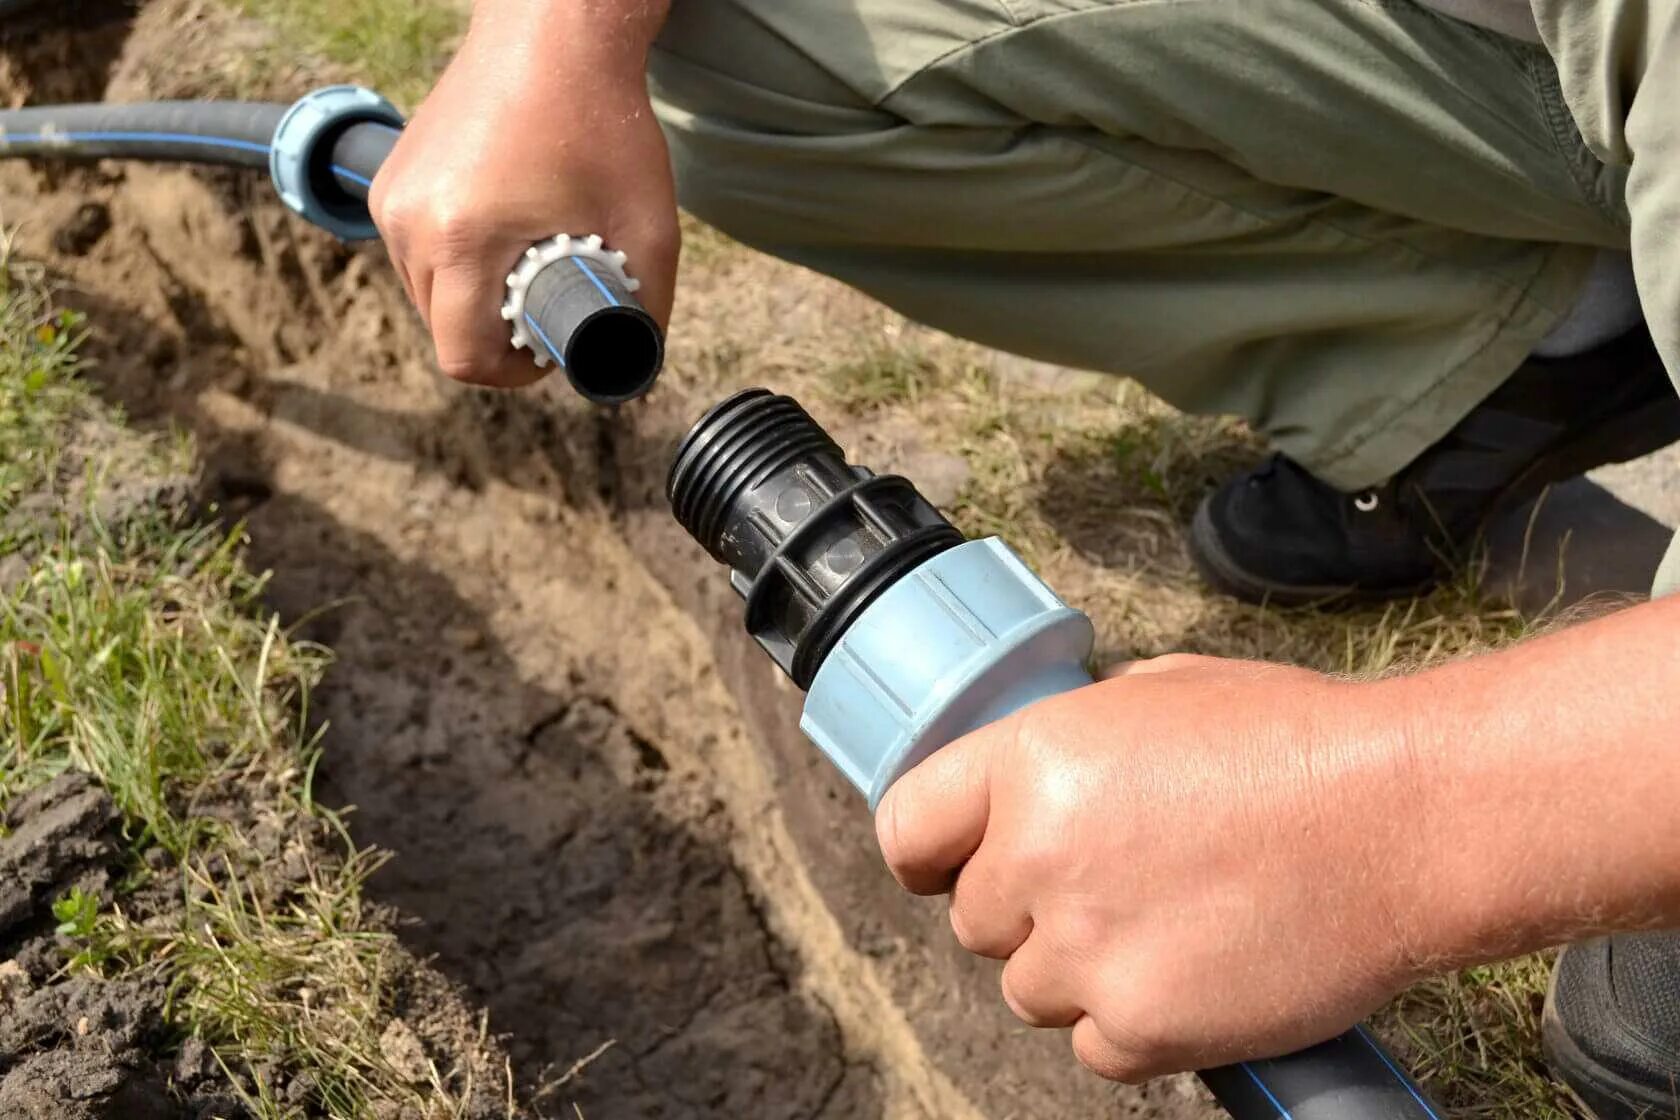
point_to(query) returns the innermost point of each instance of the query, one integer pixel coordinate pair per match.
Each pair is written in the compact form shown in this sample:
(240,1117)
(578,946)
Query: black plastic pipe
(223,133)
(608,345)
(230,133)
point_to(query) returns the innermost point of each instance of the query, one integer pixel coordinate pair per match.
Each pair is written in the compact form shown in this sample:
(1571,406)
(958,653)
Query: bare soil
(606,825)
(71,1047)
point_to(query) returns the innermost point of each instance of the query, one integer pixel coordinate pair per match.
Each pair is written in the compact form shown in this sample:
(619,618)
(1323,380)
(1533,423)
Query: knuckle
(457,231)
(963,927)
(1012,1000)
(1018,997)
(891,834)
(390,211)
(886,830)
(459,367)
(665,241)
(1134,1040)
(1177,662)
(1110,1059)
(394,192)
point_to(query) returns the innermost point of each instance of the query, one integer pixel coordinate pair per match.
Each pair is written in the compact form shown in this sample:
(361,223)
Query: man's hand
(1192,862)
(540,125)
(1199,860)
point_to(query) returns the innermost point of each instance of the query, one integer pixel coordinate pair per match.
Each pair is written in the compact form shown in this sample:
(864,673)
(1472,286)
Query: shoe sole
(1605,1094)
(1628,436)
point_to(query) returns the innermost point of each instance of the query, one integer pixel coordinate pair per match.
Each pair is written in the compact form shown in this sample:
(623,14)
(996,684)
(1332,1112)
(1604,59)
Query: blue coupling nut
(960,641)
(300,156)
(903,635)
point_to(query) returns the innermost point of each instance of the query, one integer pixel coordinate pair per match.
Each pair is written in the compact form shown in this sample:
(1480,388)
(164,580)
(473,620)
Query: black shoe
(1611,1027)
(1279,535)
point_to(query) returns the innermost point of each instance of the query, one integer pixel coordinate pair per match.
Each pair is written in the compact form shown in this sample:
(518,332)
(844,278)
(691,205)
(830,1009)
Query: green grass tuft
(138,652)
(38,396)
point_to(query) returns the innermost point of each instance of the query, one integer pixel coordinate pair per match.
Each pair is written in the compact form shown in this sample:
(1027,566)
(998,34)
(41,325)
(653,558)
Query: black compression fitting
(810,539)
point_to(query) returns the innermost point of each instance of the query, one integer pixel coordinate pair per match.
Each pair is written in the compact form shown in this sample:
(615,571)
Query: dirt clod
(401,1048)
(72,1047)
(57,838)
(84,229)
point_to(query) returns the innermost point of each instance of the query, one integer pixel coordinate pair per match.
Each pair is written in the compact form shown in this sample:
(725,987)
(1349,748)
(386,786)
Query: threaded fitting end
(740,440)
(810,539)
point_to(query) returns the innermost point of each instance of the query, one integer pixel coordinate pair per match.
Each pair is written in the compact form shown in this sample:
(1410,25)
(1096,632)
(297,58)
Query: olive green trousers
(1343,220)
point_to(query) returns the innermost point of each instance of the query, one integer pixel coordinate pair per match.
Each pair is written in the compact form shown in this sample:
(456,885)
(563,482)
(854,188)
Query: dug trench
(606,824)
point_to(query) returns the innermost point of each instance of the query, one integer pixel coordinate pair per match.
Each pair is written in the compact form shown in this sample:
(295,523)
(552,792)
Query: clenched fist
(540,125)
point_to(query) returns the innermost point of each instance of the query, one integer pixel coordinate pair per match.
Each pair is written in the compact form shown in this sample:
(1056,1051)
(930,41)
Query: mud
(607,827)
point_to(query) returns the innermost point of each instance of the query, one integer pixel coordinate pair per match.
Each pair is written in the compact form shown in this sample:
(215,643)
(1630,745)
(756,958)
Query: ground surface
(81,1047)
(171,897)
(607,826)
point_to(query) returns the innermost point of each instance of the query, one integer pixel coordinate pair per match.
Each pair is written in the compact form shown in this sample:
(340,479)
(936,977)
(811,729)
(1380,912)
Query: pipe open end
(615,355)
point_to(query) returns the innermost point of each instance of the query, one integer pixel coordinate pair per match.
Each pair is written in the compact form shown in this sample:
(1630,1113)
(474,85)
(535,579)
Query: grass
(37,397)
(137,652)
(396,46)
(885,375)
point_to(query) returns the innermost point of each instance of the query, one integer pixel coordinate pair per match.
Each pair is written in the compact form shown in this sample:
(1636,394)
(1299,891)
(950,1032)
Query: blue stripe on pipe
(346,173)
(543,336)
(1398,1076)
(1255,1077)
(53,139)
(596,280)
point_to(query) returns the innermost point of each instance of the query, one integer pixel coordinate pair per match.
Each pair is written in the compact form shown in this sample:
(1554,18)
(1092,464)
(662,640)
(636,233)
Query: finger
(401,270)
(653,252)
(469,332)
(1041,986)
(933,818)
(1105,1057)
(989,918)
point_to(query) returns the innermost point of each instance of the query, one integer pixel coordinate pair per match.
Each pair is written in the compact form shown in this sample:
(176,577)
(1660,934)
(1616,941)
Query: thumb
(933,818)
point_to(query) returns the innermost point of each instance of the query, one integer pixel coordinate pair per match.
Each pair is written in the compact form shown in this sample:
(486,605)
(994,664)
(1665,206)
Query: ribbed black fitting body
(810,540)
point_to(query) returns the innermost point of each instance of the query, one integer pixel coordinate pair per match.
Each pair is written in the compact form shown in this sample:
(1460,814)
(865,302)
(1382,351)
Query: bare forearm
(1547,776)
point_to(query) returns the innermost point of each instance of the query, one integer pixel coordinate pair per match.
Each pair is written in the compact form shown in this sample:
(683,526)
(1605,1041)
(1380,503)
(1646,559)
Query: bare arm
(540,125)
(1203,860)
(1550,775)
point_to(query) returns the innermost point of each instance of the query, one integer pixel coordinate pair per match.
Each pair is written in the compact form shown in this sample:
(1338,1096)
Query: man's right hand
(540,125)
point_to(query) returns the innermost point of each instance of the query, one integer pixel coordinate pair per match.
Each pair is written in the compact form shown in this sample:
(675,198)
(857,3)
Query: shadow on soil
(550,860)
